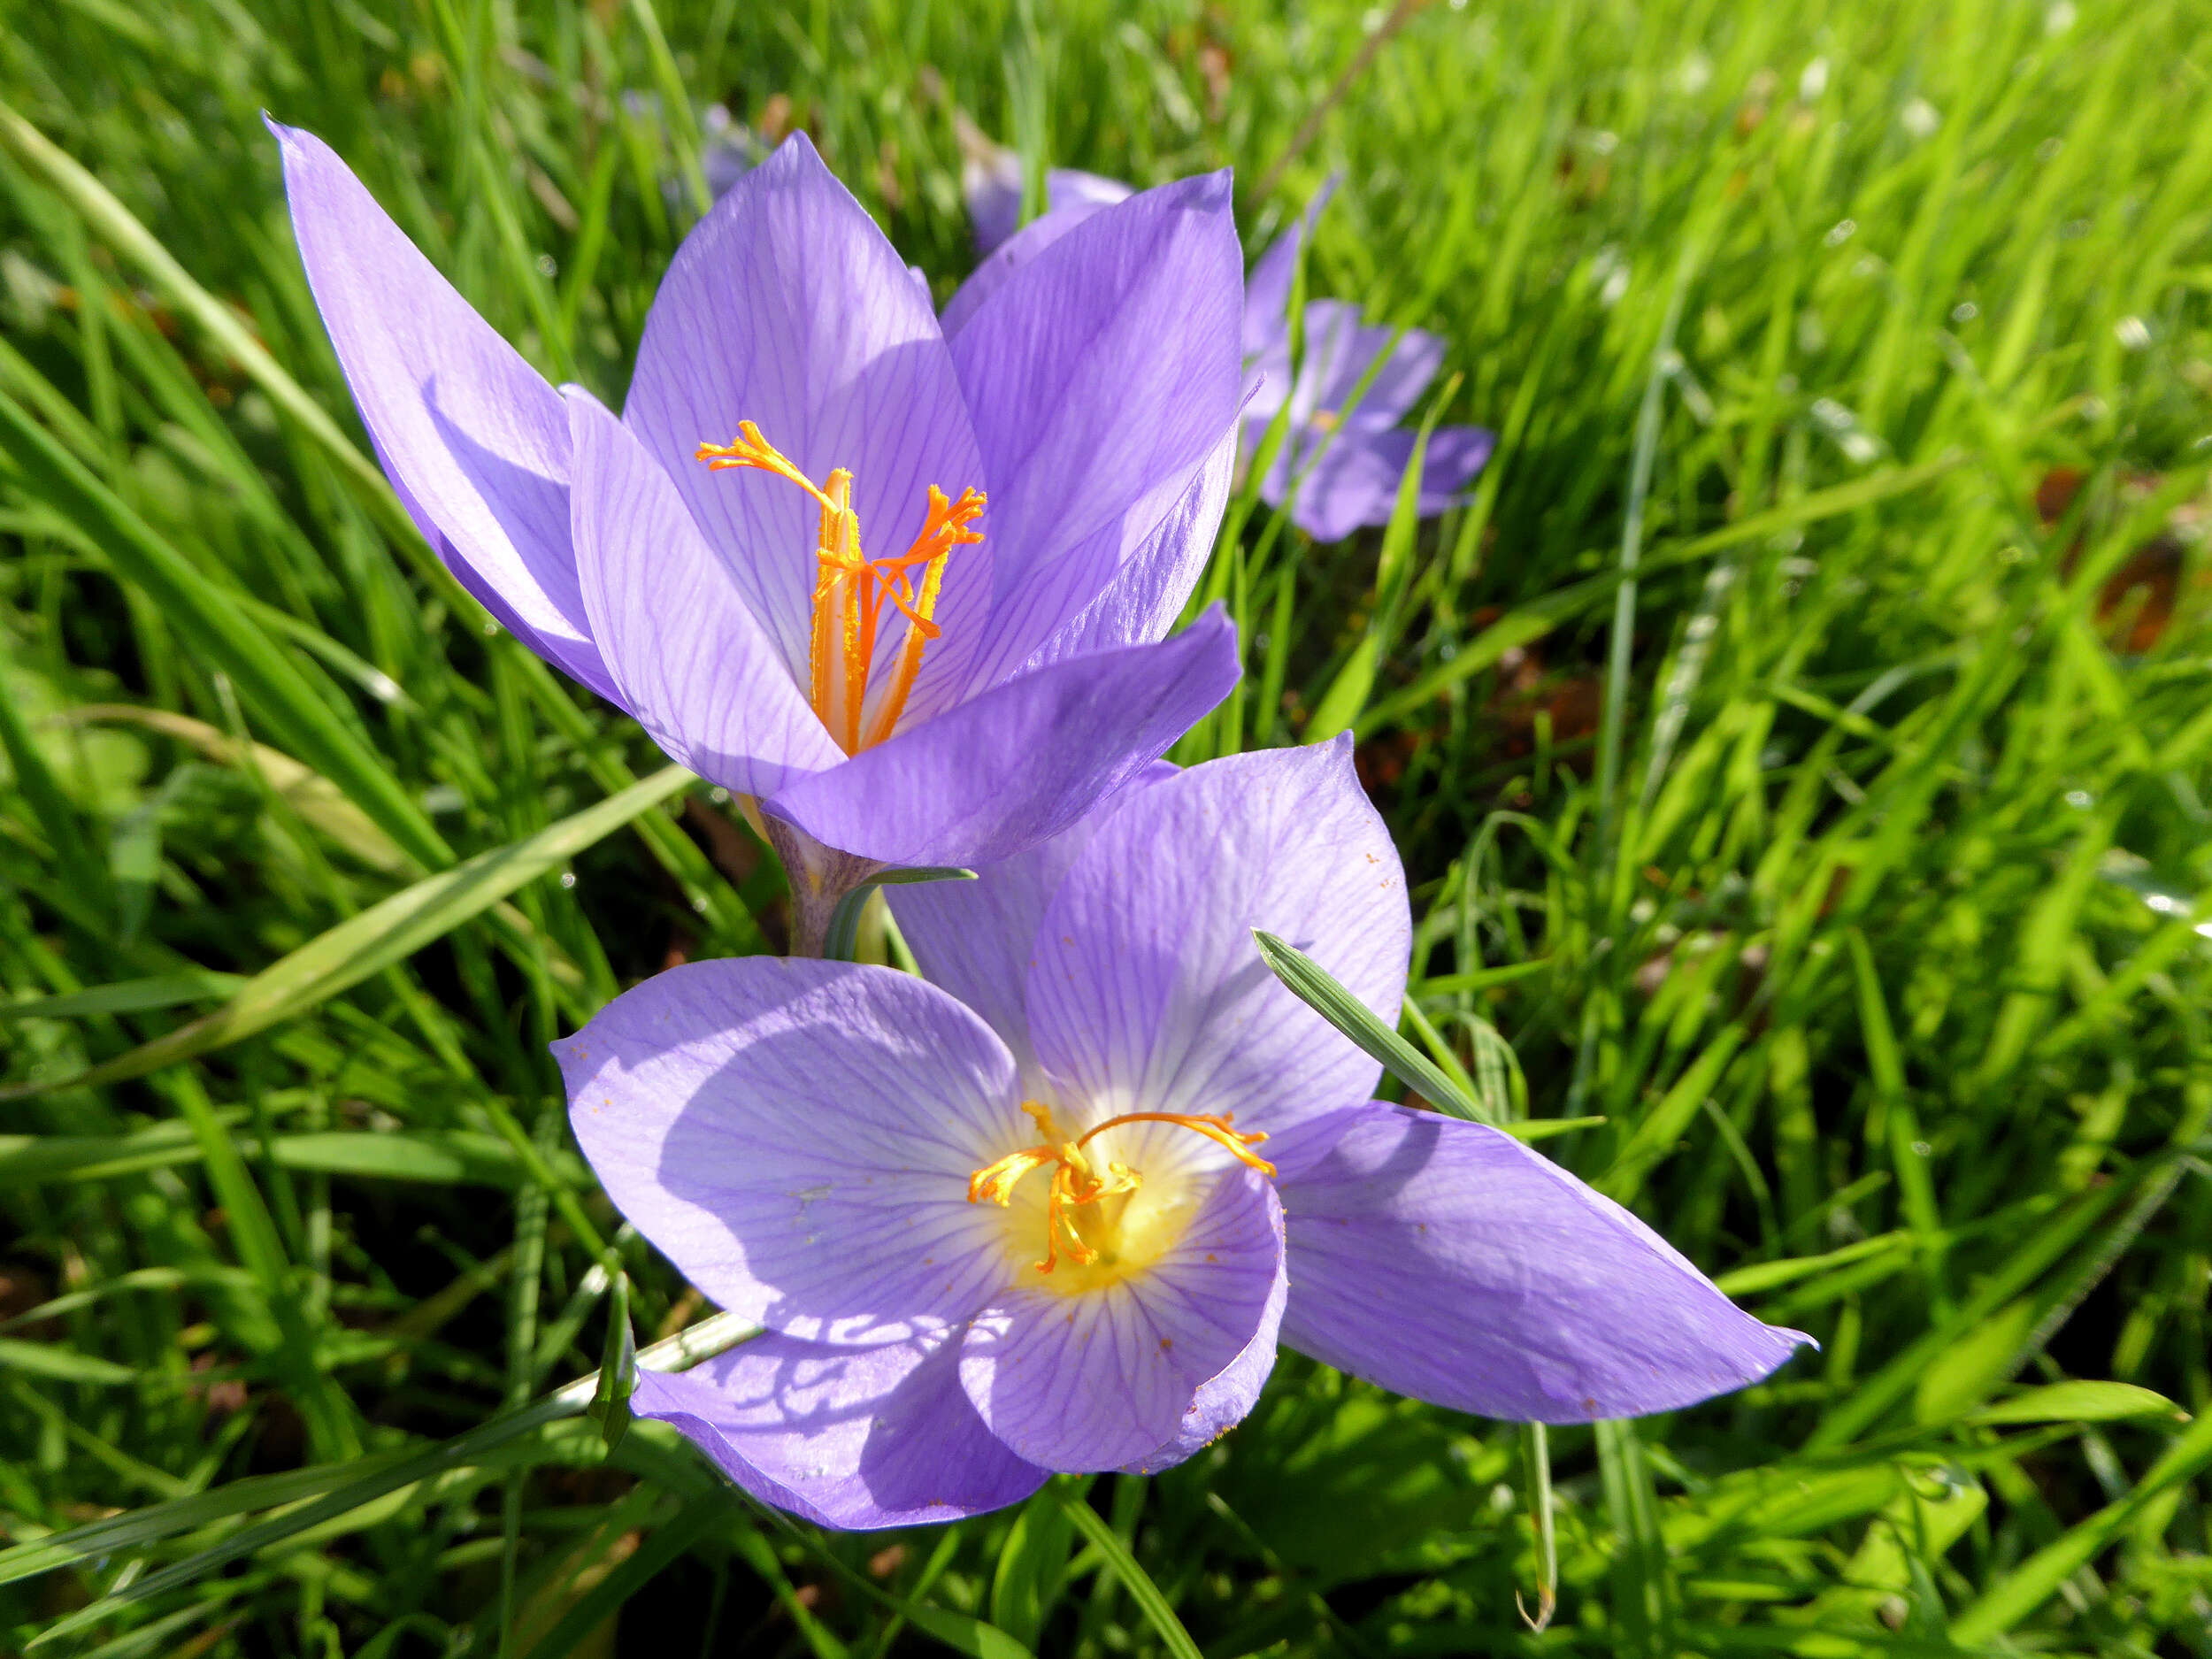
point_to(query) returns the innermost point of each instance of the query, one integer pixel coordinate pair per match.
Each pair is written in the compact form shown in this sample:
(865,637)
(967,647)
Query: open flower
(910,592)
(1055,1210)
(1344,450)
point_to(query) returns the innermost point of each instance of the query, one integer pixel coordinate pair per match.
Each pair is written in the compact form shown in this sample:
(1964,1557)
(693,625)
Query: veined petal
(1101,377)
(1225,1400)
(850,1437)
(797,1136)
(975,938)
(785,306)
(1445,1260)
(1020,763)
(692,663)
(472,438)
(1108,592)
(1000,262)
(1105,1379)
(1146,992)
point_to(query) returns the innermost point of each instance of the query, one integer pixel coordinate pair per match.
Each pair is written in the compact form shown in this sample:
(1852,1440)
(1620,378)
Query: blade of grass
(222,630)
(381,936)
(1124,1566)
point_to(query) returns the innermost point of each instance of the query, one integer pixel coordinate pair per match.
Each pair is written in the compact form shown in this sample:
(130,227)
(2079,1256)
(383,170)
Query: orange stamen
(1076,1183)
(849,590)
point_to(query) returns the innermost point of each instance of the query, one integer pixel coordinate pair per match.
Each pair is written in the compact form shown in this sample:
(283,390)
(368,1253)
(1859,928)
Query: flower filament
(850,589)
(1076,1180)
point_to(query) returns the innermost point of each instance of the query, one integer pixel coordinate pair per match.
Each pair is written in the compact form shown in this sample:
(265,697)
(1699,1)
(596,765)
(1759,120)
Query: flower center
(849,590)
(1087,1214)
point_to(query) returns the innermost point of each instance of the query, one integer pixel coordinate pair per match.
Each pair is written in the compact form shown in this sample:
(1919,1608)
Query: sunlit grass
(1861,907)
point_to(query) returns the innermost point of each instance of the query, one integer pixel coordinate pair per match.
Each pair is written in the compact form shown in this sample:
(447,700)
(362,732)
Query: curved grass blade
(129,996)
(2035,1580)
(1315,987)
(314,797)
(215,624)
(112,223)
(2080,1403)
(842,937)
(381,936)
(343,1488)
(1124,1565)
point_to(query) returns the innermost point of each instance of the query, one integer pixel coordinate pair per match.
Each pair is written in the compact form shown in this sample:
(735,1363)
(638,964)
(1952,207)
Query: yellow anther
(1076,1183)
(850,589)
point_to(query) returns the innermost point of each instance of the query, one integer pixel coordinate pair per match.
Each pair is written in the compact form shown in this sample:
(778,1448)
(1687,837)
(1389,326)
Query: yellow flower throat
(1077,1183)
(849,590)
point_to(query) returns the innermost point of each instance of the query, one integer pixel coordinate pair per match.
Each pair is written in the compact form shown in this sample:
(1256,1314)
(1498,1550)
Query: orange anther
(850,589)
(1075,1182)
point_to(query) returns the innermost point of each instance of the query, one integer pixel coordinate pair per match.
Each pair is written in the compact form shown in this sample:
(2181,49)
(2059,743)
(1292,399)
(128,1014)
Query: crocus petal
(1267,294)
(692,663)
(1150,583)
(1408,365)
(1148,993)
(1340,350)
(1455,455)
(1223,1402)
(852,1438)
(1104,1378)
(1021,762)
(992,272)
(785,306)
(1102,377)
(975,938)
(1445,1260)
(472,438)
(1068,188)
(1350,478)
(1110,591)
(991,182)
(796,1137)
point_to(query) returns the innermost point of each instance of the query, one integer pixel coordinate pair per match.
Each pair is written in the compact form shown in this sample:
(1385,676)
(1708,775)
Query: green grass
(1774,781)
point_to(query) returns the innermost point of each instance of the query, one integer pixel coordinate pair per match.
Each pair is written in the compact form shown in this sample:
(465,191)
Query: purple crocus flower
(1054,1207)
(1344,451)
(910,592)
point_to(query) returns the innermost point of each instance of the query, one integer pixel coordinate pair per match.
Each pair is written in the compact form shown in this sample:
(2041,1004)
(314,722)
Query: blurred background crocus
(1348,387)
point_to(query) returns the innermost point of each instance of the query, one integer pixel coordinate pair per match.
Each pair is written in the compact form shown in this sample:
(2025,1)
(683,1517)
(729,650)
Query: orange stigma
(1077,1182)
(849,590)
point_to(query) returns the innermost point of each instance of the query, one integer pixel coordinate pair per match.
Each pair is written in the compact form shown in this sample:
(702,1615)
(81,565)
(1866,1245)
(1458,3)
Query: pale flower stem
(820,878)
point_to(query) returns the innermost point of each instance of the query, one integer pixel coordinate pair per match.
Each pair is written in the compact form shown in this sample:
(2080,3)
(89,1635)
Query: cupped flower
(913,594)
(1344,450)
(1054,1207)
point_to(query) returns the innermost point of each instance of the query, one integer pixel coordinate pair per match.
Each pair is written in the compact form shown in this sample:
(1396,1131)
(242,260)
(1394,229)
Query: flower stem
(820,878)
